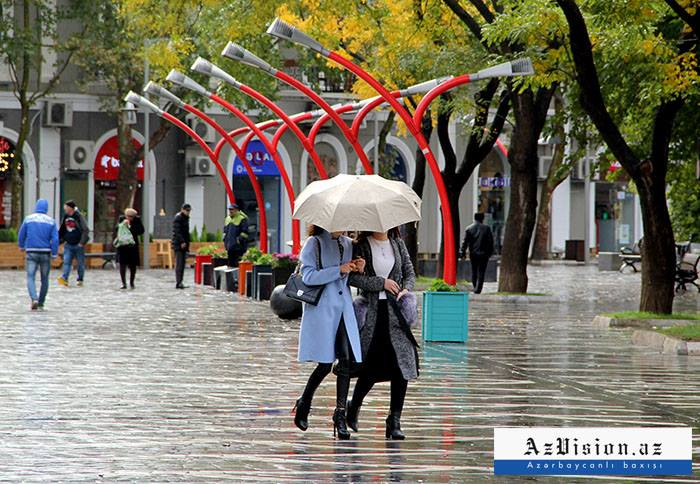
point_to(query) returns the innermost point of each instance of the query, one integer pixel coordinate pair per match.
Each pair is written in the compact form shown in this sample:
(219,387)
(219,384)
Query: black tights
(132,273)
(398,392)
(342,386)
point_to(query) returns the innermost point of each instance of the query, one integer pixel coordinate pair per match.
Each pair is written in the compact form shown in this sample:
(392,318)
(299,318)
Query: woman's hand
(401,294)
(347,267)
(359,264)
(391,286)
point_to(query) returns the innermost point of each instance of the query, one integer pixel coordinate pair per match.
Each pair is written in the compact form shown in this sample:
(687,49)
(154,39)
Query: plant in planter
(262,265)
(219,256)
(204,255)
(445,313)
(246,265)
(283,267)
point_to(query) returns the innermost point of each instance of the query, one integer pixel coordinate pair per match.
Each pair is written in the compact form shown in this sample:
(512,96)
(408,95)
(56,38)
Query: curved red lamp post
(139,100)
(184,81)
(287,32)
(238,53)
(205,67)
(156,90)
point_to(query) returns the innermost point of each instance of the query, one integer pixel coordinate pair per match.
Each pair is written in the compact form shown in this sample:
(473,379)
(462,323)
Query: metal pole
(587,208)
(376,144)
(145,192)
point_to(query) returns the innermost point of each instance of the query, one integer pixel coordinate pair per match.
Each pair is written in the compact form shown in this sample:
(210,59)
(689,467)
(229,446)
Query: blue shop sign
(260,160)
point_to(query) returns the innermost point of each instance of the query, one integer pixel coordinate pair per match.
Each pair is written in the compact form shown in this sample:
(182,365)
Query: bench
(109,258)
(687,272)
(630,257)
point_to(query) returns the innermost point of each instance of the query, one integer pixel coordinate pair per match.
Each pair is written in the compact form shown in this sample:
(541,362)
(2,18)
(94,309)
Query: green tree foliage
(684,201)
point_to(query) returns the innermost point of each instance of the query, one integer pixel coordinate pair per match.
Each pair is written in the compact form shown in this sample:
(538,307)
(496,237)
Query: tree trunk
(127,182)
(658,252)
(18,166)
(530,114)
(555,176)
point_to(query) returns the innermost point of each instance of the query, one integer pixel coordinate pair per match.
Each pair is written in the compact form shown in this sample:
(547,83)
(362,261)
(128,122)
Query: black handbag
(297,290)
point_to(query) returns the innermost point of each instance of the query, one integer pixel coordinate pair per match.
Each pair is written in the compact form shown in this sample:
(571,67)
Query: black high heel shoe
(351,416)
(340,425)
(393,427)
(301,414)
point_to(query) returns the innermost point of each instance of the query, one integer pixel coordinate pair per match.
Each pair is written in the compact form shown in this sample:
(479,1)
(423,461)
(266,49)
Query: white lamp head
(241,54)
(142,102)
(282,30)
(180,79)
(203,66)
(518,67)
(159,91)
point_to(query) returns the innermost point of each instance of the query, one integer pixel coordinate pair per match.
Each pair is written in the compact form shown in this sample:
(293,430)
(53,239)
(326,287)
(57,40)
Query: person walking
(478,238)
(127,244)
(388,346)
(38,238)
(235,234)
(328,330)
(74,234)
(181,242)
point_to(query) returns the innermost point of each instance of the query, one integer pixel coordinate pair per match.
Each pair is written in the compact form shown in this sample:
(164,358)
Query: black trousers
(132,273)
(234,256)
(479,264)
(180,258)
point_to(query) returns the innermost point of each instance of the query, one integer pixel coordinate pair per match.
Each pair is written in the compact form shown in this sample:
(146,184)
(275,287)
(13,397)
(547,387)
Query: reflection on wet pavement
(197,386)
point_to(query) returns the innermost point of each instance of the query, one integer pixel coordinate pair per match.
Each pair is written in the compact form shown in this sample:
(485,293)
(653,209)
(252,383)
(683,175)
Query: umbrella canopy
(357,202)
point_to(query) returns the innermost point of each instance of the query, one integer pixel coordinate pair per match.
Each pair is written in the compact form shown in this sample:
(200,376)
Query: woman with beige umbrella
(369,203)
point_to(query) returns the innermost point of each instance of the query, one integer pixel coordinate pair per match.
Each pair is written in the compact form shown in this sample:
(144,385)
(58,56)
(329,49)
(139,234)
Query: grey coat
(371,285)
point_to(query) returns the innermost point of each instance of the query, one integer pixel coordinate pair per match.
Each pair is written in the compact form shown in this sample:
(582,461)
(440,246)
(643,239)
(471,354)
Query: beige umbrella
(357,202)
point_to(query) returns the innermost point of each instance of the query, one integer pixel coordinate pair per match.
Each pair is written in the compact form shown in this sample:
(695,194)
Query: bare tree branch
(465,17)
(685,16)
(483,10)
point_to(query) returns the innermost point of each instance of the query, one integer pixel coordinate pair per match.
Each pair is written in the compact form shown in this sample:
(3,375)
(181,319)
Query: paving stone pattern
(158,385)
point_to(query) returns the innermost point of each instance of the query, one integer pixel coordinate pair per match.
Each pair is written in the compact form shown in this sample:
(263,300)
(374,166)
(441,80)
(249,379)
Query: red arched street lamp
(285,31)
(141,101)
(184,81)
(238,53)
(205,67)
(159,91)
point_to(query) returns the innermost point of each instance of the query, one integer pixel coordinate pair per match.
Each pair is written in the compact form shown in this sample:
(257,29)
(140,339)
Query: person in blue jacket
(329,330)
(38,238)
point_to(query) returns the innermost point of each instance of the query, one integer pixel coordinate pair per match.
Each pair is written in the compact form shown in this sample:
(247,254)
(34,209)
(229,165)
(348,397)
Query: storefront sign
(7,153)
(259,159)
(107,160)
(494,182)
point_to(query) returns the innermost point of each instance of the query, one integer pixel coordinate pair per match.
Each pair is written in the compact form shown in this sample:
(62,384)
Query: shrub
(208,250)
(251,255)
(194,237)
(265,260)
(219,237)
(8,235)
(441,286)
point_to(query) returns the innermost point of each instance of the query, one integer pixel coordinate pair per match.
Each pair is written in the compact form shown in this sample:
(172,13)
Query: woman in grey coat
(329,329)
(388,346)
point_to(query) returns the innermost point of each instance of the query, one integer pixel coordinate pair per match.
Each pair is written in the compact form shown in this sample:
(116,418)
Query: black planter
(263,286)
(208,274)
(258,269)
(283,306)
(219,261)
(249,284)
(280,275)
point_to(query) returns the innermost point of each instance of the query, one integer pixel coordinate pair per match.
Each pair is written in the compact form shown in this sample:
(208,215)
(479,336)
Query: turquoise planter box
(445,316)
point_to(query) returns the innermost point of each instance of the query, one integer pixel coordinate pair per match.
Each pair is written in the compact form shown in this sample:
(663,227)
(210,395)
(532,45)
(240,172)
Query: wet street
(158,385)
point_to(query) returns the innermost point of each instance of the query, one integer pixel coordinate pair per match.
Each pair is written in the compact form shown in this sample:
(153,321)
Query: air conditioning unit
(58,114)
(200,166)
(79,155)
(207,133)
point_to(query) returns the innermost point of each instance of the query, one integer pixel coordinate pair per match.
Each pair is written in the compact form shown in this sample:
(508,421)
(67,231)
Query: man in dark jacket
(235,234)
(38,238)
(181,242)
(478,238)
(74,233)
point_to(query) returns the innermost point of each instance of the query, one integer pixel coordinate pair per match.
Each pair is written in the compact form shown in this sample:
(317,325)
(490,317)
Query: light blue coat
(320,323)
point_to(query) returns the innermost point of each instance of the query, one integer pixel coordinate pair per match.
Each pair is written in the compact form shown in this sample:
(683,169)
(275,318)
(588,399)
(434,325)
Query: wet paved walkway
(196,386)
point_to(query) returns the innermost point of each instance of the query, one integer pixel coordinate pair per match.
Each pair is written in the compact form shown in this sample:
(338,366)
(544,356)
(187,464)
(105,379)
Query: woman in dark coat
(128,254)
(388,346)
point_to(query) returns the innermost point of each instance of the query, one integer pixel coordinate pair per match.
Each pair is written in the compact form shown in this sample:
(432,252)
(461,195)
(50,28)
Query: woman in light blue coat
(328,330)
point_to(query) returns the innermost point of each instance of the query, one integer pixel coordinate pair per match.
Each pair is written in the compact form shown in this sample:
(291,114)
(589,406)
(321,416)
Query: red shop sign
(107,160)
